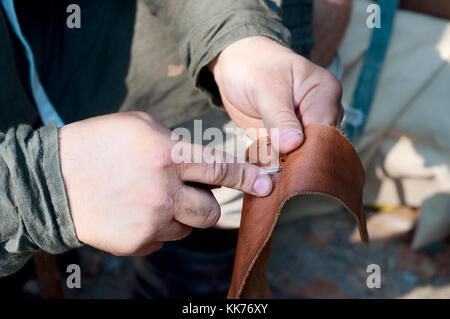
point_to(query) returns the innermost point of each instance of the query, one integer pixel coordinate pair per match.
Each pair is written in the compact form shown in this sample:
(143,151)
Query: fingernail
(290,139)
(262,186)
(290,133)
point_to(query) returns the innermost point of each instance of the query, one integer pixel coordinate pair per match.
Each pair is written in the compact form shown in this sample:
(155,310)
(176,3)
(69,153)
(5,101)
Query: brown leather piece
(326,164)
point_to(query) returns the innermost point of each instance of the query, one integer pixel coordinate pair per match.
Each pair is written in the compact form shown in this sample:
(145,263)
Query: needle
(273,170)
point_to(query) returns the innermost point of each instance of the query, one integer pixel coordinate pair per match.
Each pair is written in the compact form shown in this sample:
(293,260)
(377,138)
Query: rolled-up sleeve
(203,28)
(34,211)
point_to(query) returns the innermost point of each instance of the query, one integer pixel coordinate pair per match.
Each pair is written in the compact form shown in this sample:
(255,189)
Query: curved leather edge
(326,164)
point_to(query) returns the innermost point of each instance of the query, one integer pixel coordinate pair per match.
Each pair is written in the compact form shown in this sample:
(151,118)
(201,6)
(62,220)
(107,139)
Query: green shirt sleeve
(34,211)
(204,28)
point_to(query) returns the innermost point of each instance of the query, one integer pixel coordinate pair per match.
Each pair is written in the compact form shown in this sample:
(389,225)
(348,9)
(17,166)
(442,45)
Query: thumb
(279,115)
(226,171)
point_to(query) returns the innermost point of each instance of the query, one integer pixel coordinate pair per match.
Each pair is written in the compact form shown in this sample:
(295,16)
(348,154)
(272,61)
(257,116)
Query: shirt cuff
(247,26)
(47,219)
(65,235)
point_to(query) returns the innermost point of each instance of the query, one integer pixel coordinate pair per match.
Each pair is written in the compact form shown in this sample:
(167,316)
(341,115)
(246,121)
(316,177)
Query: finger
(196,207)
(226,171)
(174,231)
(322,103)
(277,109)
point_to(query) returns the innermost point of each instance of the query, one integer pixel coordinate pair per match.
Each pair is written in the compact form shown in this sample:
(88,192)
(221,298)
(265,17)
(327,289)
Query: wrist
(237,50)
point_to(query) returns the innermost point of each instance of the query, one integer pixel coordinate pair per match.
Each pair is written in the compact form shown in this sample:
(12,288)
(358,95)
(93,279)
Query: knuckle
(246,177)
(218,171)
(284,117)
(240,177)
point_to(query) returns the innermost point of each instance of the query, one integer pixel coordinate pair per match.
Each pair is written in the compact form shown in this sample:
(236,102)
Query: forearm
(34,212)
(437,8)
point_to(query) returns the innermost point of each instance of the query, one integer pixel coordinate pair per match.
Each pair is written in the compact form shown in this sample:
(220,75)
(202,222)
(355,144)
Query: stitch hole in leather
(325,164)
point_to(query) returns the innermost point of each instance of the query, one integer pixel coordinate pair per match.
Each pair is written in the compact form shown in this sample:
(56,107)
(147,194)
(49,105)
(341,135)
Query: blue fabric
(45,108)
(357,114)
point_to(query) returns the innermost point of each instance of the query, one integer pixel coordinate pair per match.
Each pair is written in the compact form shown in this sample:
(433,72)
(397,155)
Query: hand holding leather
(266,85)
(325,164)
(127,192)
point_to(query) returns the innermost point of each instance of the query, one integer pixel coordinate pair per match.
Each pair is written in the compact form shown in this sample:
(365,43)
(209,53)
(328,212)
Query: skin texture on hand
(126,194)
(264,84)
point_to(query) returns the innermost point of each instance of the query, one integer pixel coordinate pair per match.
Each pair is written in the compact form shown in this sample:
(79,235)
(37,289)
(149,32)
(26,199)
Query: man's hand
(264,84)
(125,193)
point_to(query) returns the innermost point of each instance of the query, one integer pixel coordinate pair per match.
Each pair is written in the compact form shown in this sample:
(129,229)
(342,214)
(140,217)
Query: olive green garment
(145,55)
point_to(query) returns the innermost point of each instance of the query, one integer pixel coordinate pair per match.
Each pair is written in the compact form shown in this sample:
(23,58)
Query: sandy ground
(314,257)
